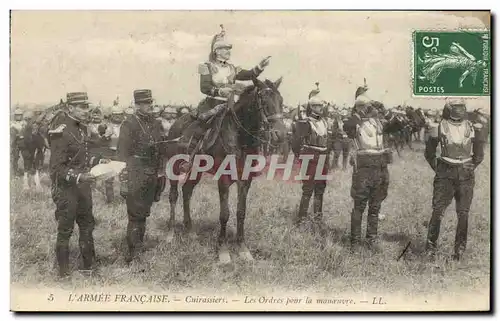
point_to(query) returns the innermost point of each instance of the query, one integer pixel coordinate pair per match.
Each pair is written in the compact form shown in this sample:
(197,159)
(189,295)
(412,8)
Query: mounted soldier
(462,150)
(218,82)
(311,138)
(70,163)
(370,176)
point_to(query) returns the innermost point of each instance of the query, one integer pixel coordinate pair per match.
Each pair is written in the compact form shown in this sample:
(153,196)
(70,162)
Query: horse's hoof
(245,254)
(170,236)
(224,256)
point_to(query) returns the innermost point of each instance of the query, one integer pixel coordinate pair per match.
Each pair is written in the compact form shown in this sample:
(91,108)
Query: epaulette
(203,69)
(58,130)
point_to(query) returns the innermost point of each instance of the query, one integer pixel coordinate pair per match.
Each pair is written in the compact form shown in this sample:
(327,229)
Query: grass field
(286,257)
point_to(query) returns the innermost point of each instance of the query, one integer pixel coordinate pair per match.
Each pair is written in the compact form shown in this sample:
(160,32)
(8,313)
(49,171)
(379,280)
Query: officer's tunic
(69,159)
(138,147)
(461,152)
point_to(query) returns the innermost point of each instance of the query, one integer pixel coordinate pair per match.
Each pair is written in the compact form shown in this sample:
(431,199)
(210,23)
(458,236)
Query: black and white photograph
(250,160)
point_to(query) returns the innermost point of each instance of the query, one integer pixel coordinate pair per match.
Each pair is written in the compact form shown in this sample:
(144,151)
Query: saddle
(202,135)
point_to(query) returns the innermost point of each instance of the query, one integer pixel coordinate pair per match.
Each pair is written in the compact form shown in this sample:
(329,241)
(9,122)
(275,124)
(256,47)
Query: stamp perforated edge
(412,64)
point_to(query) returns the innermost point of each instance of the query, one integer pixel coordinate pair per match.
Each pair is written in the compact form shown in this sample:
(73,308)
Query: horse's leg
(187,192)
(224,257)
(172,198)
(26,167)
(243,188)
(37,167)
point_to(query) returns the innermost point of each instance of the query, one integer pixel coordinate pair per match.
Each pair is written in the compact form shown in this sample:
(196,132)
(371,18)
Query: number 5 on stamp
(451,63)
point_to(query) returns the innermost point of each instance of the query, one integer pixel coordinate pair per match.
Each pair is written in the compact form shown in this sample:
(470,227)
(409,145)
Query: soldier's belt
(455,161)
(316,148)
(372,151)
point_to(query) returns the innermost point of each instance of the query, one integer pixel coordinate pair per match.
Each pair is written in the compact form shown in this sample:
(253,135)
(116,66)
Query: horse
(259,106)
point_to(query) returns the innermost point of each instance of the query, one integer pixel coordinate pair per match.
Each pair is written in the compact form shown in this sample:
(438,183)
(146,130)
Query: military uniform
(311,138)
(370,177)
(167,120)
(138,147)
(462,150)
(17,128)
(341,143)
(69,160)
(110,133)
(217,80)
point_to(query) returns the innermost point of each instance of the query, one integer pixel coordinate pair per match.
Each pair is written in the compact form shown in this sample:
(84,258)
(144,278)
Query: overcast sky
(111,53)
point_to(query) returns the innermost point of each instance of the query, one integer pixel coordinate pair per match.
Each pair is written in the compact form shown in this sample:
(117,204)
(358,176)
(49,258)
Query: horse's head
(270,107)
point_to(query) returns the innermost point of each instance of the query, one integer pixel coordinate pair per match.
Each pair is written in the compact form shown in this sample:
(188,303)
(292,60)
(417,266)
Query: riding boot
(62,254)
(212,112)
(142,231)
(132,240)
(318,207)
(303,207)
(87,251)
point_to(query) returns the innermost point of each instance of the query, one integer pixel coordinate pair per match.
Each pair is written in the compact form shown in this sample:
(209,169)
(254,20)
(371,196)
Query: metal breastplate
(93,129)
(456,139)
(318,135)
(370,135)
(19,127)
(166,124)
(222,75)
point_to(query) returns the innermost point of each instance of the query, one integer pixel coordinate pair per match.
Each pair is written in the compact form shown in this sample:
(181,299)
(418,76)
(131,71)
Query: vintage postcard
(250,160)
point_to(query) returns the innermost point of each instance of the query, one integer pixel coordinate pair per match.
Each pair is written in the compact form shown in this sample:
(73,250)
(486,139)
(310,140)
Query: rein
(264,117)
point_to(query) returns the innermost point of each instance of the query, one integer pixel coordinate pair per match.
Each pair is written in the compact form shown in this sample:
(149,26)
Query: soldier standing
(17,128)
(311,138)
(462,150)
(370,177)
(138,146)
(70,162)
(167,119)
(341,143)
(110,142)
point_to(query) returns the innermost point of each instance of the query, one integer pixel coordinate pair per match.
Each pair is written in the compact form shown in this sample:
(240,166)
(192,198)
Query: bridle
(263,116)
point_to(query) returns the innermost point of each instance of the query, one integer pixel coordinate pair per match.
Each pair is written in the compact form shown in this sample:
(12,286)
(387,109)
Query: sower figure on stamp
(70,162)
(311,138)
(138,146)
(462,150)
(370,176)
(217,80)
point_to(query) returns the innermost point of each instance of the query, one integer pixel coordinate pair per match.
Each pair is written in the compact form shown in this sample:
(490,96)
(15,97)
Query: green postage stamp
(451,63)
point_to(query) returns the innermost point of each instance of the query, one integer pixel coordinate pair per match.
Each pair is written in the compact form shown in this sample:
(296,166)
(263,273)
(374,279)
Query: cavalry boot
(132,240)
(62,254)
(303,207)
(318,207)
(87,251)
(212,112)
(356,218)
